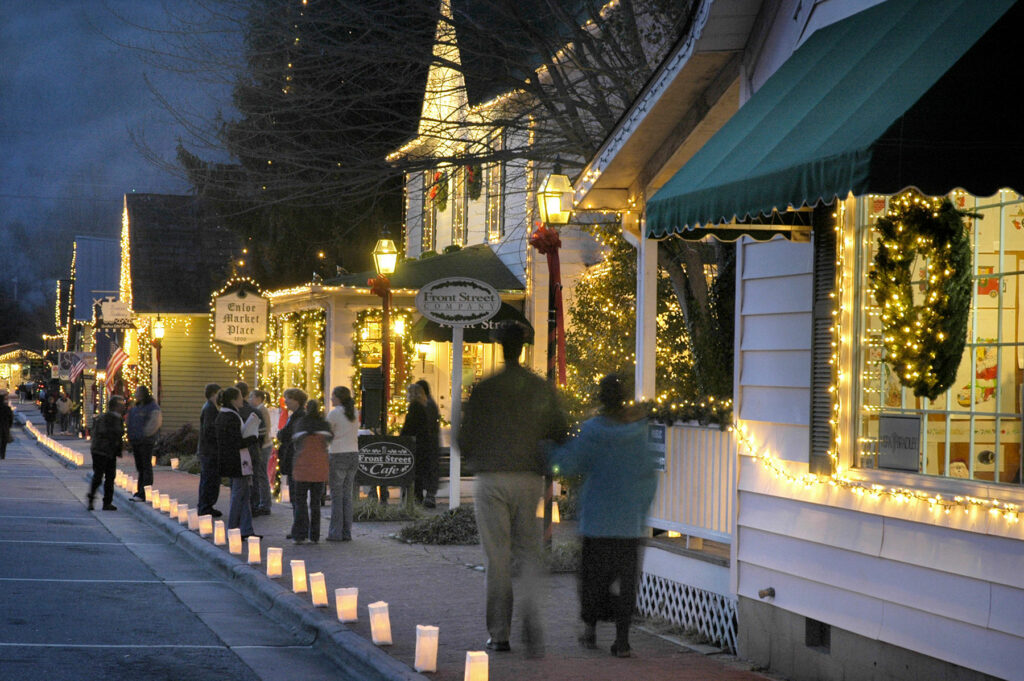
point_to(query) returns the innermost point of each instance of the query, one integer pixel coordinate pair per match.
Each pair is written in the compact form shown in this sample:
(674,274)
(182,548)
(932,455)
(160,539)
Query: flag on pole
(117,358)
(77,368)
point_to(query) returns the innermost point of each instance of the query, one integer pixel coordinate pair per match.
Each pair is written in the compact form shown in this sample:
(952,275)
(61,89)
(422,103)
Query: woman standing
(310,468)
(232,448)
(618,487)
(6,421)
(423,424)
(344,460)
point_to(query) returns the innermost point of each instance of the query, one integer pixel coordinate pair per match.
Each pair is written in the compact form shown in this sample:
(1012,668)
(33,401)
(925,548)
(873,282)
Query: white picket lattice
(710,614)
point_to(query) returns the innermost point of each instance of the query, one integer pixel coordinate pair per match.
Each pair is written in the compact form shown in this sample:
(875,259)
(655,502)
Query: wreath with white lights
(439,191)
(924,338)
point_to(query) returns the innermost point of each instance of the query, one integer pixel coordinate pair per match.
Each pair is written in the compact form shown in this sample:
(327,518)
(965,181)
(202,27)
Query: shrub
(181,443)
(564,556)
(457,526)
(371,510)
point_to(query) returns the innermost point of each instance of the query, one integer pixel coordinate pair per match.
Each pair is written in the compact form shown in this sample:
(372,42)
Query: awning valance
(906,93)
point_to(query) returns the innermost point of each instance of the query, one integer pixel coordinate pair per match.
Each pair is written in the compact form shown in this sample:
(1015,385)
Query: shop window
(973,430)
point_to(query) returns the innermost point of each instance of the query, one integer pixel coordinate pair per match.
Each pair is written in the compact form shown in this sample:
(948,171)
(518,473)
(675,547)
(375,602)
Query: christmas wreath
(924,336)
(439,191)
(474,181)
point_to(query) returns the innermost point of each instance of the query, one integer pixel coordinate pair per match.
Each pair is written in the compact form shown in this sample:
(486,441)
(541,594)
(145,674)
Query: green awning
(906,93)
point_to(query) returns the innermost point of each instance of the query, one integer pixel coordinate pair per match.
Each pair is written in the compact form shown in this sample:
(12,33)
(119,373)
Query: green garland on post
(924,340)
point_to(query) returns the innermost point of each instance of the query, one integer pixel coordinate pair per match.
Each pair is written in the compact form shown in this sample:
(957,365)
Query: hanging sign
(385,460)
(458,301)
(115,314)
(240,317)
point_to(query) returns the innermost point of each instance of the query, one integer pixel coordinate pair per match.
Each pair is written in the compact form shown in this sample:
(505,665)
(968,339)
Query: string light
(232,283)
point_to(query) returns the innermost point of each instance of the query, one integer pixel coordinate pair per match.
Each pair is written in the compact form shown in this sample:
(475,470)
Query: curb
(359,658)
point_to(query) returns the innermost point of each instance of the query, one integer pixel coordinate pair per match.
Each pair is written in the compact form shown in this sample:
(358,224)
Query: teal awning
(907,93)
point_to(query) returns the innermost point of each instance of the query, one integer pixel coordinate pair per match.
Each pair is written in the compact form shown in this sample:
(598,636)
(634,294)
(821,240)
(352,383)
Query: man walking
(260,481)
(107,441)
(209,472)
(506,418)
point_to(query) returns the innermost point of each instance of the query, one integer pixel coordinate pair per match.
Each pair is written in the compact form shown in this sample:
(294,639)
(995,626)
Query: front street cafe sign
(240,317)
(385,461)
(458,301)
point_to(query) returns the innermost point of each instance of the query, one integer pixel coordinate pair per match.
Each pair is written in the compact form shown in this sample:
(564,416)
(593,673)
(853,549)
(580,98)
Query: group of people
(513,432)
(58,407)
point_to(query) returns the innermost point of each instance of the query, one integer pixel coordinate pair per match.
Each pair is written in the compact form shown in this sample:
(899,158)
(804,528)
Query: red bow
(380,286)
(545,240)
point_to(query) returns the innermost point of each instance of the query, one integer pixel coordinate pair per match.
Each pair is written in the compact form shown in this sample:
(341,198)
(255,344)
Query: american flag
(117,358)
(77,368)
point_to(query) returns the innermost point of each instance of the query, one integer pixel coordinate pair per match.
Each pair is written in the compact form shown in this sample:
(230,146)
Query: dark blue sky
(69,99)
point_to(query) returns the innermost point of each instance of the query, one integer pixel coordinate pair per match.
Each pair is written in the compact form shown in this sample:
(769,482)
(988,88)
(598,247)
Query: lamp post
(157,343)
(554,206)
(385,258)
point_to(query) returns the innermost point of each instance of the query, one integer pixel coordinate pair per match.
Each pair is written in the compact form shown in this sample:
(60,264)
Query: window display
(973,429)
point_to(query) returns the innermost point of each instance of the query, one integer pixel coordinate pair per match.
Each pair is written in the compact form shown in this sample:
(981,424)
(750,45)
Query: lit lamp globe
(158,329)
(554,198)
(273,357)
(385,256)
(294,357)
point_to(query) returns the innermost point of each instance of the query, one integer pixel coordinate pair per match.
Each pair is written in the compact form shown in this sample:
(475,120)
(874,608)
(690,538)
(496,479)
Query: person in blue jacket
(619,481)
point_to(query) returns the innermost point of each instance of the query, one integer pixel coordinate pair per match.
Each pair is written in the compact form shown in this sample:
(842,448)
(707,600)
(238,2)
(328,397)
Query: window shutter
(824,245)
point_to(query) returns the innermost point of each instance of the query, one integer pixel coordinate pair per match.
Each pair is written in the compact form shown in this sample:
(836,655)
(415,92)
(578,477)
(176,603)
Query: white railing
(696,492)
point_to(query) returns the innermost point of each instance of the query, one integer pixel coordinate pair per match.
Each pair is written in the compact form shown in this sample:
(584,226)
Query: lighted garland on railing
(709,411)
(286,349)
(924,342)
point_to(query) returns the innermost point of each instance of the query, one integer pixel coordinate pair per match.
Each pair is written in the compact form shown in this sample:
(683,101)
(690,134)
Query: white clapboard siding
(695,493)
(916,585)
(788,368)
(777,295)
(187,365)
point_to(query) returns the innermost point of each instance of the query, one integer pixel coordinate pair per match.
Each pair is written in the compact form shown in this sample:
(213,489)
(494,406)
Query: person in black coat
(295,401)
(209,473)
(48,409)
(106,446)
(231,449)
(6,421)
(422,422)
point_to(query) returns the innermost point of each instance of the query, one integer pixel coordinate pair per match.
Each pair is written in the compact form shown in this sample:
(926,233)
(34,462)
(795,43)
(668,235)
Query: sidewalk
(436,585)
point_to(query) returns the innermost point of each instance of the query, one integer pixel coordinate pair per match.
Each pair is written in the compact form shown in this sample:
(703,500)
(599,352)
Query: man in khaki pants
(507,416)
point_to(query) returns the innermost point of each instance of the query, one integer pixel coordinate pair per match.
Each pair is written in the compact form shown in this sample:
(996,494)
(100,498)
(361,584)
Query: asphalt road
(104,596)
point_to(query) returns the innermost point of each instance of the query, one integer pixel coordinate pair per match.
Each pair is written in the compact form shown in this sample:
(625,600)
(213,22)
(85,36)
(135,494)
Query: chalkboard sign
(385,460)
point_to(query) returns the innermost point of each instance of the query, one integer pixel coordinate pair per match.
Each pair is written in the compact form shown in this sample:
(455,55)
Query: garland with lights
(285,353)
(474,181)
(439,191)
(924,342)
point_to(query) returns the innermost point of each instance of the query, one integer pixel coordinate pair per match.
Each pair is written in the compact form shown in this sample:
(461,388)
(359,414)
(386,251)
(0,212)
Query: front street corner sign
(240,317)
(458,301)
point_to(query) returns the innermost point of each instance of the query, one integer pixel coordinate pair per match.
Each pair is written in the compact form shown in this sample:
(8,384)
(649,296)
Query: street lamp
(554,206)
(554,198)
(385,258)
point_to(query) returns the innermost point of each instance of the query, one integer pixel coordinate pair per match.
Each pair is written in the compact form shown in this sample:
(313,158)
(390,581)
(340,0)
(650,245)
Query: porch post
(646,313)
